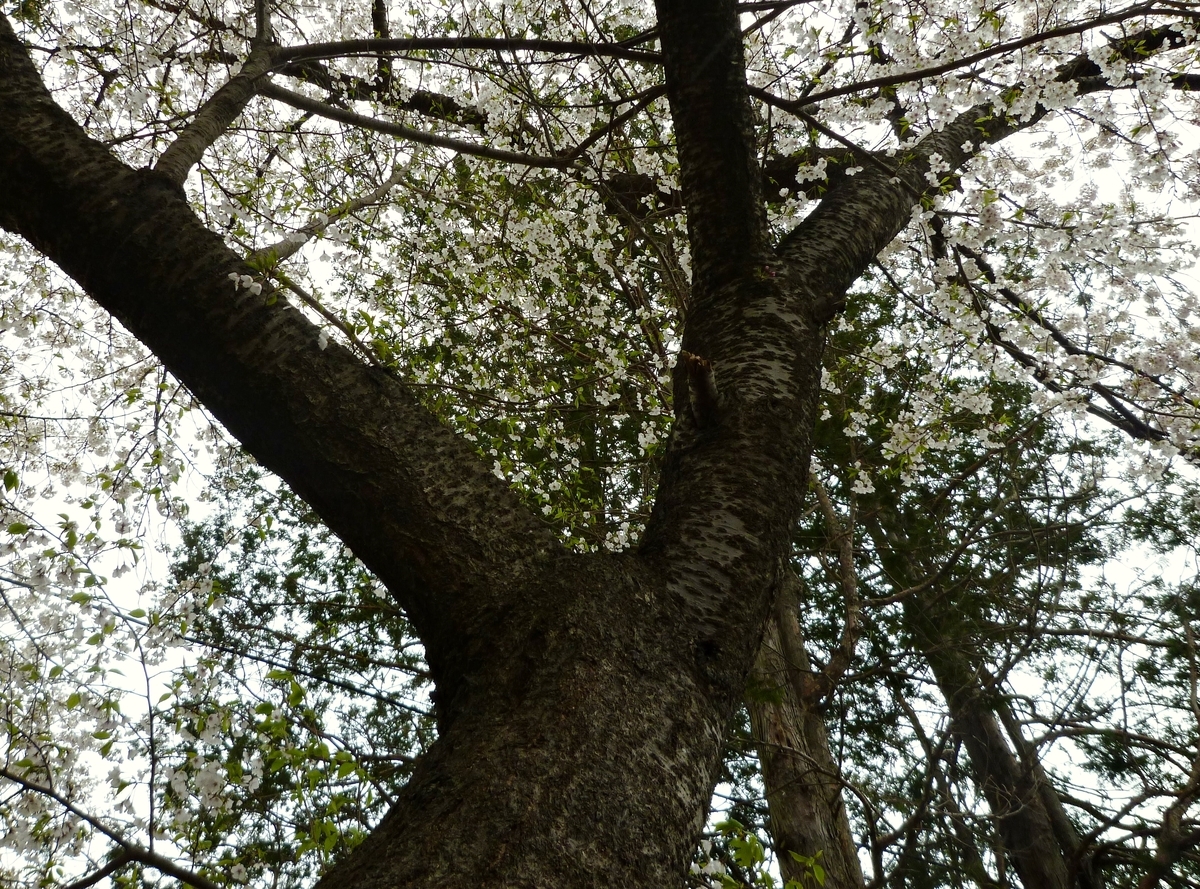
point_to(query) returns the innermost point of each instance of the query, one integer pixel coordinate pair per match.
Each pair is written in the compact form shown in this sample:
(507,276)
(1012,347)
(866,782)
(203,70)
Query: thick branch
(802,781)
(719,171)
(412,500)
(755,365)
(574,48)
(214,117)
(424,102)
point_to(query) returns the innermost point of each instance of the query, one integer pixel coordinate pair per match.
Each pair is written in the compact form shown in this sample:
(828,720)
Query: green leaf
(18,528)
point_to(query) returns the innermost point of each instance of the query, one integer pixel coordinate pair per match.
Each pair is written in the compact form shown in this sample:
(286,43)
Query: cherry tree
(528,303)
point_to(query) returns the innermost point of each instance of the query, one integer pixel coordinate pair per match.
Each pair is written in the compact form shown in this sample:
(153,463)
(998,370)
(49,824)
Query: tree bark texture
(581,699)
(802,781)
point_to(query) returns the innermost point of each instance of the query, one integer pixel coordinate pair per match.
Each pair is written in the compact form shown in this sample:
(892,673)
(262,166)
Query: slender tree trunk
(804,789)
(1043,849)
(1013,791)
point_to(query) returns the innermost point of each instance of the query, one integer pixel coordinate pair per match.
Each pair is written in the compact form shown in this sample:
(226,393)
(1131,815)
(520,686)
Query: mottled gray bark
(214,118)
(582,700)
(410,498)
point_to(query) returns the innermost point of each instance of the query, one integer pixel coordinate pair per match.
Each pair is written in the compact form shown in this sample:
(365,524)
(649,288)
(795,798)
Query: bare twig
(313,303)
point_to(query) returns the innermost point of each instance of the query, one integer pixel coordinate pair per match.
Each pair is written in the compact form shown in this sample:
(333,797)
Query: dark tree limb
(413,501)
(372,47)
(130,852)
(892,80)
(421,137)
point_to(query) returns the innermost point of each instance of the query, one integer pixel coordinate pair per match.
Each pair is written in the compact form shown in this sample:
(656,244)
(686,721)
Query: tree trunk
(803,783)
(1013,792)
(578,763)
(581,699)
(1037,837)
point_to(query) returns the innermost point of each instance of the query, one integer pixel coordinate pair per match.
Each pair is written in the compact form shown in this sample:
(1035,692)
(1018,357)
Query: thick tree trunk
(581,699)
(577,763)
(803,784)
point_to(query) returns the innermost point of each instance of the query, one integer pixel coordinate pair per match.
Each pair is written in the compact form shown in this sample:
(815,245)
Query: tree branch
(575,48)
(711,525)
(214,117)
(862,216)
(413,501)
(842,537)
(1141,9)
(424,102)
(290,245)
(132,851)
(413,135)
(119,861)
(262,21)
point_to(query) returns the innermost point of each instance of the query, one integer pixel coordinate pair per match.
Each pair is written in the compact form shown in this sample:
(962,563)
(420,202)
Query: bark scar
(702,390)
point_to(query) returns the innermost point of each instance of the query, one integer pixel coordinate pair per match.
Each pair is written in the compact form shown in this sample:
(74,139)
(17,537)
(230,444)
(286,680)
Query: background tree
(472,393)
